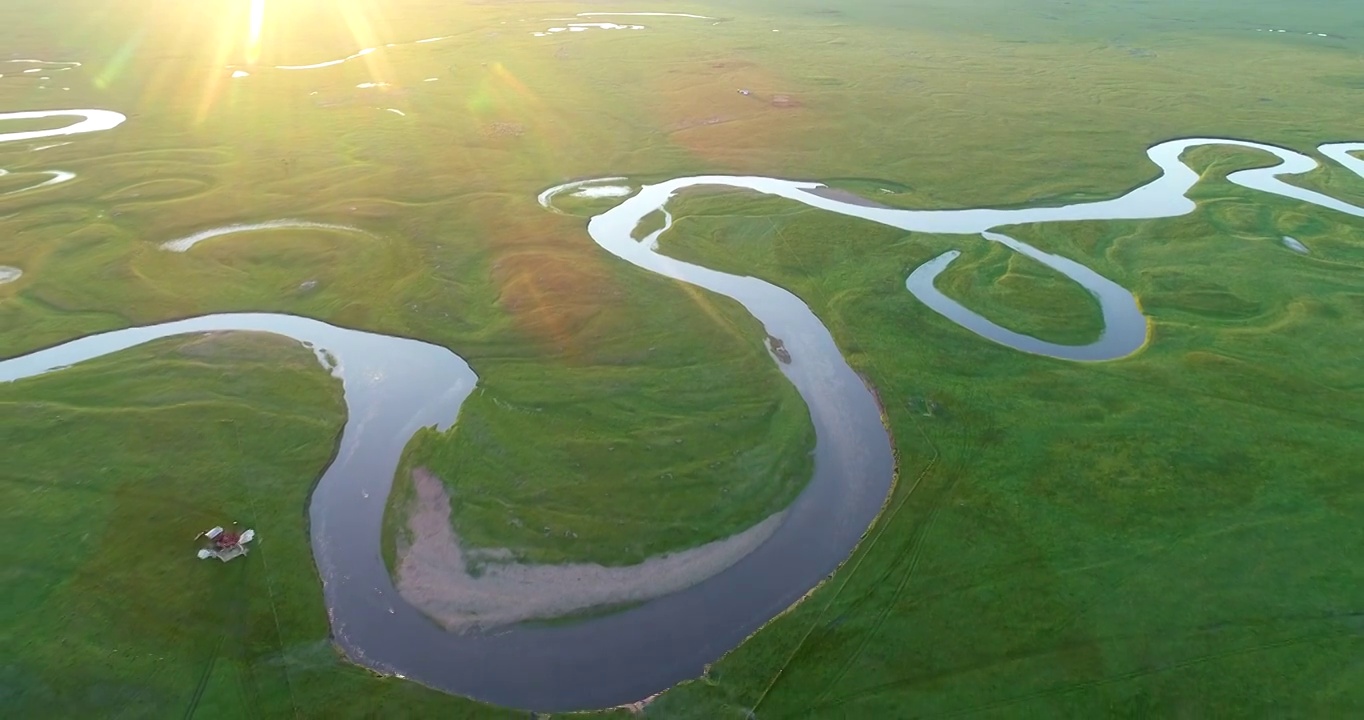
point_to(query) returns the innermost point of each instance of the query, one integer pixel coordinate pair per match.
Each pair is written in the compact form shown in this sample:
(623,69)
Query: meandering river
(1125,328)
(394,386)
(90,121)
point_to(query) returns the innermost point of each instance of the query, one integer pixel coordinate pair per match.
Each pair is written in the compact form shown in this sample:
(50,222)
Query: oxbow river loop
(90,121)
(395,386)
(1125,329)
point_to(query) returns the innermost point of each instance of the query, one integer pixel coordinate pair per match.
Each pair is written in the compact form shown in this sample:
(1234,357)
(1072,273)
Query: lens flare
(367,33)
(257,19)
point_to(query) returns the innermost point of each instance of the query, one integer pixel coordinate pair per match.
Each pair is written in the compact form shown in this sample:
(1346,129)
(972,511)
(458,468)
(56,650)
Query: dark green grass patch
(651,223)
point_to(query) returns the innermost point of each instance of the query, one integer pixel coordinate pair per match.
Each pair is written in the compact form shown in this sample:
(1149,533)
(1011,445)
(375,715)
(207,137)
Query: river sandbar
(434,576)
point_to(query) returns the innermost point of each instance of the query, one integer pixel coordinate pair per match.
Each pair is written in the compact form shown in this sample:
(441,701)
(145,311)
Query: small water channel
(90,121)
(1125,328)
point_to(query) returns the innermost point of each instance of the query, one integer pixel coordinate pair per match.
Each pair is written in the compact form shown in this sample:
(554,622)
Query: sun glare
(257,19)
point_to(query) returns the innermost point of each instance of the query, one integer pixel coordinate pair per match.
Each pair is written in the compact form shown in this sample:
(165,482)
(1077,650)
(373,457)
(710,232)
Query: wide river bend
(394,386)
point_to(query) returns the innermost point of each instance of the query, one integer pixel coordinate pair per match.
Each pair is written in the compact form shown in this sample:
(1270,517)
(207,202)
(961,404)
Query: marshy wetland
(702,433)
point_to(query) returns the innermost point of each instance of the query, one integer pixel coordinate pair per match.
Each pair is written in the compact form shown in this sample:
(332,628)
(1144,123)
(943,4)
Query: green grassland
(1151,537)
(1162,535)
(110,470)
(660,399)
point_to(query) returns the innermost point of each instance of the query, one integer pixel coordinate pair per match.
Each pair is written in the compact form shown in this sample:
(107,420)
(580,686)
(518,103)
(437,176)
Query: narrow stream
(1125,329)
(90,121)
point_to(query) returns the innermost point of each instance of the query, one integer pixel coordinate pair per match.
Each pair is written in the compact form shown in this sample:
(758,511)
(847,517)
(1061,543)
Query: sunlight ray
(257,19)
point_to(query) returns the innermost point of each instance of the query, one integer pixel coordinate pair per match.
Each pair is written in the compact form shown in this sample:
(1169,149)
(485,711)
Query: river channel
(395,386)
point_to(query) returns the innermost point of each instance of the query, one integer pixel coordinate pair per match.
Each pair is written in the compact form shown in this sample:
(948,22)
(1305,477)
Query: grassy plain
(1152,537)
(110,470)
(1164,535)
(652,408)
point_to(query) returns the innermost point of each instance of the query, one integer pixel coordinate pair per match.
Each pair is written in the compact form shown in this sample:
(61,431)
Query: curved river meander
(394,386)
